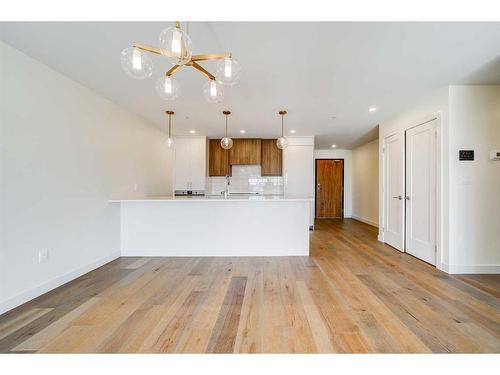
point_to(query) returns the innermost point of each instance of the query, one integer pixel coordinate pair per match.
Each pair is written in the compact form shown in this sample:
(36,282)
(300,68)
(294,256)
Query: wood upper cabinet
(272,158)
(218,159)
(245,151)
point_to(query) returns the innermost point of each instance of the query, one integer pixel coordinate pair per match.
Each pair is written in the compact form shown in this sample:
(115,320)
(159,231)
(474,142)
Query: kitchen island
(215,226)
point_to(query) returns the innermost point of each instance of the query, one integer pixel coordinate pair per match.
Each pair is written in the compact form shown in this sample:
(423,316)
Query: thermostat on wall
(495,155)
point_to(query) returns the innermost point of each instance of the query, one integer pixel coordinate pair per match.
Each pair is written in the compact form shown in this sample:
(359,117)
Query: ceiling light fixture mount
(282,142)
(175,44)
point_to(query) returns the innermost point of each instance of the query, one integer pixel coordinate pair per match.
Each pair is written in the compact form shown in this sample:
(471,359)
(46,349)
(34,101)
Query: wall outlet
(43,256)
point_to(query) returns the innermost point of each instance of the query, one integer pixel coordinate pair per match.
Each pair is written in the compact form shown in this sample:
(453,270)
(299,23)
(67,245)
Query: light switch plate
(43,256)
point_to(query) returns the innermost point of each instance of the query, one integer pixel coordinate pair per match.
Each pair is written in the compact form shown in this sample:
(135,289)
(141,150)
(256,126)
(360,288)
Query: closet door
(393,175)
(421,191)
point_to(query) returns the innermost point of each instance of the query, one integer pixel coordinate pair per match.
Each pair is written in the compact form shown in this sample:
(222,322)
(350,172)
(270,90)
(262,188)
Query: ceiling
(326,74)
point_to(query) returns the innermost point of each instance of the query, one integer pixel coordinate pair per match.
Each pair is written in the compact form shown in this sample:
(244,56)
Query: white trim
(51,284)
(474,268)
(366,221)
(380,237)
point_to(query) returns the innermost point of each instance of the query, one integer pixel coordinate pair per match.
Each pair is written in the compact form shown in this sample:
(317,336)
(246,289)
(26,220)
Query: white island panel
(277,227)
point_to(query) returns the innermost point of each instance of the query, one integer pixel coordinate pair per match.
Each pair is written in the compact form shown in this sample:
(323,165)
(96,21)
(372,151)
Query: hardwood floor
(352,295)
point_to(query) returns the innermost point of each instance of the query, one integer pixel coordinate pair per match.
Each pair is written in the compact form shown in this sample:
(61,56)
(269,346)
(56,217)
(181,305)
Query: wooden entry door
(329,188)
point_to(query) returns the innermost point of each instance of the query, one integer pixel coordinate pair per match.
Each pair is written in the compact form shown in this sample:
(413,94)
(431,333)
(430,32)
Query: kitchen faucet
(228,182)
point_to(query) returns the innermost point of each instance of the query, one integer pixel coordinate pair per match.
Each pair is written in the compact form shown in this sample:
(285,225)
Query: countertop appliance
(185,193)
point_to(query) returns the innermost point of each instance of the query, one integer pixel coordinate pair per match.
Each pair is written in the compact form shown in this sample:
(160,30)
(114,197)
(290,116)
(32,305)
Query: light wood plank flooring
(352,295)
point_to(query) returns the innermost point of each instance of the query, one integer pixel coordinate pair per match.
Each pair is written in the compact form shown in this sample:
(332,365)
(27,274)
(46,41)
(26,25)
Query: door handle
(318,187)
(407,198)
(398,197)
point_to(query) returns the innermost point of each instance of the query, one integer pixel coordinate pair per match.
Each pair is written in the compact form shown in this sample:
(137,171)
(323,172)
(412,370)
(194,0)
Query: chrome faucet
(226,192)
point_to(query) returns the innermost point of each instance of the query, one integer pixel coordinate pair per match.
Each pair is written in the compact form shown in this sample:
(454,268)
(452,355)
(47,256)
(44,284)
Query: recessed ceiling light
(372,109)
(243,131)
(292,131)
(333,146)
(192,131)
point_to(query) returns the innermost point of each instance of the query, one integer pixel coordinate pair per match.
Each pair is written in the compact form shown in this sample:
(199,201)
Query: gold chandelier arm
(145,47)
(211,56)
(173,69)
(202,69)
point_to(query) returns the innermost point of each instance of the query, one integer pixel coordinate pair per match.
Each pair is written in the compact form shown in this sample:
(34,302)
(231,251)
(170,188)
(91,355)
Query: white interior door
(421,191)
(393,154)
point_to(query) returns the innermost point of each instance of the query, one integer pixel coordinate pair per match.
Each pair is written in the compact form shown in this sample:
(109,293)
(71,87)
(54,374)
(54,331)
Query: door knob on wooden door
(318,187)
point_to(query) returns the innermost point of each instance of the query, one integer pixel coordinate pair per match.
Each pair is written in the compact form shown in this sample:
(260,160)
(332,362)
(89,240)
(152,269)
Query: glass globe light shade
(176,44)
(170,142)
(136,63)
(281,142)
(213,91)
(226,143)
(228,72)
(167,88)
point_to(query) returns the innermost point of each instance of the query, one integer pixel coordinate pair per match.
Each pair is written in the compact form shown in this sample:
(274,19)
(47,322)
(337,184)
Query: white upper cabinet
(190,163)
(298,168)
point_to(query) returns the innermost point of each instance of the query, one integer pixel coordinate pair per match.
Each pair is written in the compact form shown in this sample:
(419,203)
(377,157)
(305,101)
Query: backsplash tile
(246,179)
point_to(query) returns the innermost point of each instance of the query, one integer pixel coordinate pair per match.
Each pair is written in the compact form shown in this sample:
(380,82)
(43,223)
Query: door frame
(316,184)
(441,203)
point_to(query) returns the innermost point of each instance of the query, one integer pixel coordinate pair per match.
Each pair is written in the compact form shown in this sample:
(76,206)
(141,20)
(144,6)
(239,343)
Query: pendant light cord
(226,126)
(282,126)
(169,125)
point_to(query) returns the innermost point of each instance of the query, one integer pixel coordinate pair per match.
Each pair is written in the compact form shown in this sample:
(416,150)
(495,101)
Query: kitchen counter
(240,225)
(217,198)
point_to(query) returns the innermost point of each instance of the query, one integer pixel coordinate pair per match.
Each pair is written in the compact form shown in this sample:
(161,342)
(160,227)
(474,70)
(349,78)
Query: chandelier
(175,45)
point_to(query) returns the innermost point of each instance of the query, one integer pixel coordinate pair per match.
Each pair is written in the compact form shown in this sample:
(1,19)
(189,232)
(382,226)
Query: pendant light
(282,142)
(170,140)
(226,143)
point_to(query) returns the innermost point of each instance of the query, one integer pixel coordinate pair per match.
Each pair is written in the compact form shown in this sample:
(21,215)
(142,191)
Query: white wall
(474,185)
(365,183)
(64,152)
(347,156)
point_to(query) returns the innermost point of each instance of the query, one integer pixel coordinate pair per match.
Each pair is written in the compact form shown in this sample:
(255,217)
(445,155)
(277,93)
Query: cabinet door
(218,159)
(272,158)
(245,151)
(190,163)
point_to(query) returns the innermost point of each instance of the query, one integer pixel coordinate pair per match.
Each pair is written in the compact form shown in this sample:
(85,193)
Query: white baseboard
(366,221)
(51,284)
(380,238)
(473,268)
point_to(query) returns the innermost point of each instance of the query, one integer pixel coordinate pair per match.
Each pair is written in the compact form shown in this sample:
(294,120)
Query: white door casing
(393,175)
(420,196)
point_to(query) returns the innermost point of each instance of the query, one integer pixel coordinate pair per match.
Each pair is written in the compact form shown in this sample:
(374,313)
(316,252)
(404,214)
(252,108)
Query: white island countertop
(216,198)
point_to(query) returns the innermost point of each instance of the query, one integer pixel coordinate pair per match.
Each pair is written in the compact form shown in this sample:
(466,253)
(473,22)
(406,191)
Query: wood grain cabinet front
(218,159)
(245,151)
(272,158)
